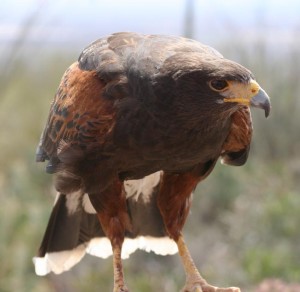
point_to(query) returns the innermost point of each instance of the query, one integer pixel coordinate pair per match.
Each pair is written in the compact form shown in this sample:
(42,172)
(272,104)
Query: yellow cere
(241,93)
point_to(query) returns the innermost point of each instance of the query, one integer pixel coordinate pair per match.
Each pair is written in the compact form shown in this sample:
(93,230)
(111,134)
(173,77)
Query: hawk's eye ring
(218,84)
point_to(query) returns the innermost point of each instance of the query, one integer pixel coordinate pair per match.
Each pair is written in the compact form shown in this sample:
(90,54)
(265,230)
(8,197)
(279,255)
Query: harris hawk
(137,122)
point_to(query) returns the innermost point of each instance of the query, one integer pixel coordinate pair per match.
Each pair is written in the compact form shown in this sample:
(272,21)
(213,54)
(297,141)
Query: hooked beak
(250,94)
(261,100)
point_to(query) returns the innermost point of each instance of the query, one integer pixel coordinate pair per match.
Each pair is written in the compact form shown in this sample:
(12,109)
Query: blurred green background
(244,225)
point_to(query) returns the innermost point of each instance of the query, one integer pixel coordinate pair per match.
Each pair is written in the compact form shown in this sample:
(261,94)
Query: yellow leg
(112,214)
(119,284)
(194,281)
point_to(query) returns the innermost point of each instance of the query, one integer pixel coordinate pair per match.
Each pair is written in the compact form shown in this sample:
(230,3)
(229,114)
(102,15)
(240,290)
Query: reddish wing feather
(79,117)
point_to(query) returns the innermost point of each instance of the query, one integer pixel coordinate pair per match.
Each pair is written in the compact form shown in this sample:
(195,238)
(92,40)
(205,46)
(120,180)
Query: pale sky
(81,21)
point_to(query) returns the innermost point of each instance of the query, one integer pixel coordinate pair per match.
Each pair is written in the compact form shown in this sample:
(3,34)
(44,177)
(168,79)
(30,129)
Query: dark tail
(74,229)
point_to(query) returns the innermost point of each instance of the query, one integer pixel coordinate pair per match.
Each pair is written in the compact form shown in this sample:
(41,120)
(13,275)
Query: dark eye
(218,84)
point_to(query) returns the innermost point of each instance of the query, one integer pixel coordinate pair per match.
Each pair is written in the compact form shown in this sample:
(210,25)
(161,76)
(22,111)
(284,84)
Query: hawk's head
(216,80)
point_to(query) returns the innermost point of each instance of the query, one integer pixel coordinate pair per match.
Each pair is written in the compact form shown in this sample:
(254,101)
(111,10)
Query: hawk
(137,122)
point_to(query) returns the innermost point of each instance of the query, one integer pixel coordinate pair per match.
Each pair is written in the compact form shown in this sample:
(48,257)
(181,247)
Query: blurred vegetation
(244,224)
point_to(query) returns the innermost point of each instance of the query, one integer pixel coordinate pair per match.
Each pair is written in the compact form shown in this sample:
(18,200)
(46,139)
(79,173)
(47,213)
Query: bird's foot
(194,281)
(121,288)
(200,287)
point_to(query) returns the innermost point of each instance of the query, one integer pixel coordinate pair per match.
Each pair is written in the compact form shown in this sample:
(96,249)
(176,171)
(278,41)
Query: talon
(210,288)
(196,287)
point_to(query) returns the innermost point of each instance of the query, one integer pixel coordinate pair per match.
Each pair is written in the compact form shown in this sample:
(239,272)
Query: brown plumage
(135,125)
